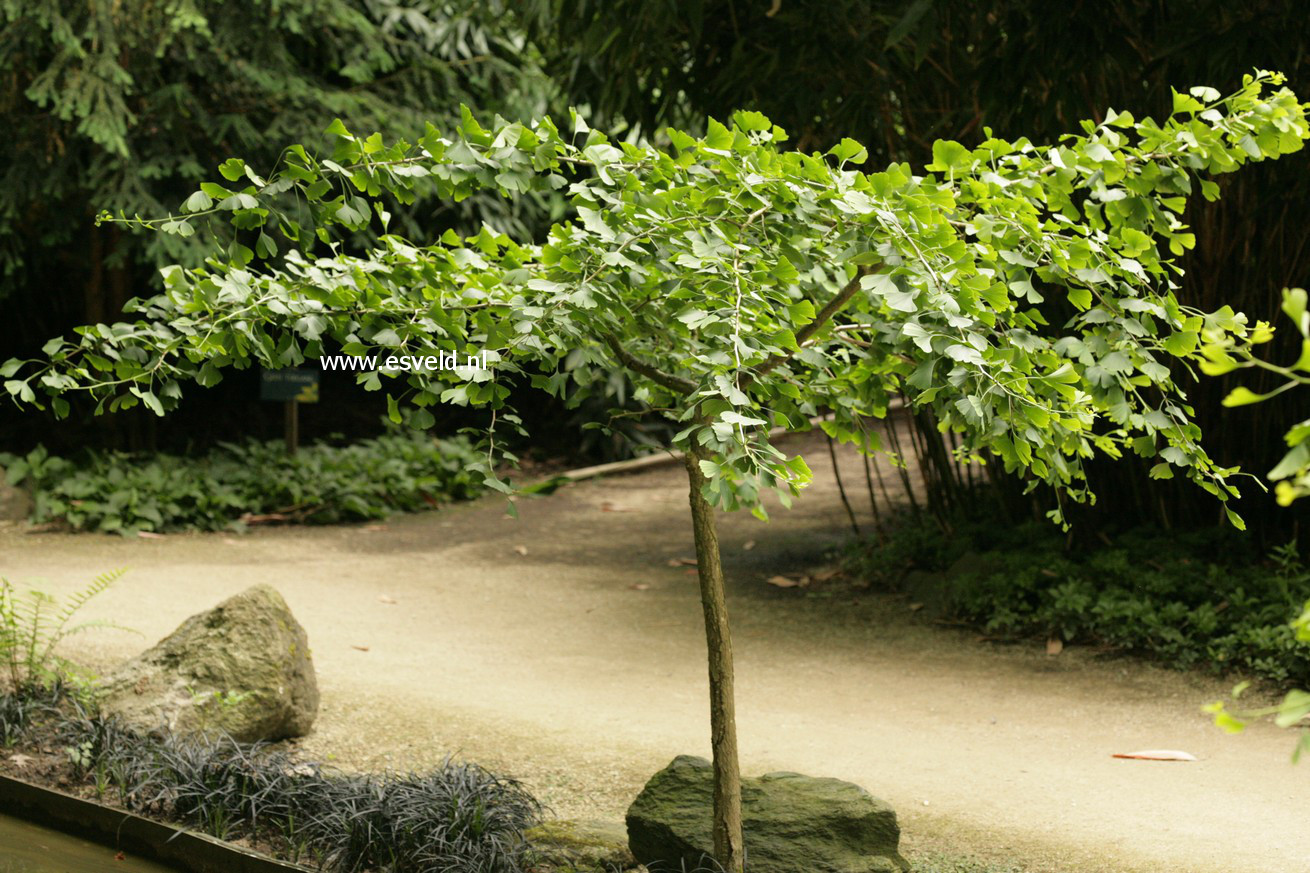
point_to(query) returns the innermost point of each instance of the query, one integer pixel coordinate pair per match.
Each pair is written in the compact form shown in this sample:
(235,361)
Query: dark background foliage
(128,104)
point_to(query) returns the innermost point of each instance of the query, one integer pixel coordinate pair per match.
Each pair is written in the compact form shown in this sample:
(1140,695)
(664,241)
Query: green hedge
(321,483)
(1194,601)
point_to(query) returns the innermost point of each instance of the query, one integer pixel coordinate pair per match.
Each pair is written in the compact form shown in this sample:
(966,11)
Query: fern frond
(57,631)
(79,599)
(32,625)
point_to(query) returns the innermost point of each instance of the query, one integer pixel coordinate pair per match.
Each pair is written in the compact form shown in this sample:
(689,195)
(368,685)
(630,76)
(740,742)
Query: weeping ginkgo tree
(1023,292)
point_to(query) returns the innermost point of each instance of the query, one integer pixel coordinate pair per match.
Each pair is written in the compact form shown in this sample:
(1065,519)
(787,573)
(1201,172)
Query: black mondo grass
(457,817)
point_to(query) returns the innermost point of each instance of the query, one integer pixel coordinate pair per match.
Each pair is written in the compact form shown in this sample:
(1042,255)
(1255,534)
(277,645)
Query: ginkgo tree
(1023,292)
(1224,351)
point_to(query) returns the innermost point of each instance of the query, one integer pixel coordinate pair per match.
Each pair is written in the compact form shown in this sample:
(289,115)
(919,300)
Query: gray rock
(970,563)
(15,501)
(568,845)
(243,667)
(791,822)
(936,590)
(930,590)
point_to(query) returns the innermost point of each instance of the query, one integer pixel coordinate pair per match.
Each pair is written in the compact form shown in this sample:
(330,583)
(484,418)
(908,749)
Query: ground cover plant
(1019,290)
(457,817)
(238,482)
(1191,601)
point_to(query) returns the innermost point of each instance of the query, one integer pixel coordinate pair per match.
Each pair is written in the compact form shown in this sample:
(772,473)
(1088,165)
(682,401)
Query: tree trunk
(728,844)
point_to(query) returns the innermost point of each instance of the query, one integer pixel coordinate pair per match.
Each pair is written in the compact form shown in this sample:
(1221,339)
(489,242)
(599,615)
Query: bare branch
(677,384)
(831,308)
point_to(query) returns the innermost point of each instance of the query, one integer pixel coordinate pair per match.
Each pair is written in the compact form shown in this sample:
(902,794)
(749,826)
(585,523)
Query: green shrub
(321,483)
(1191,601)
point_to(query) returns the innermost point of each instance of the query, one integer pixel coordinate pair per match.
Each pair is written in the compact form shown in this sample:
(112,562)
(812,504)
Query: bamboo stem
(841,488)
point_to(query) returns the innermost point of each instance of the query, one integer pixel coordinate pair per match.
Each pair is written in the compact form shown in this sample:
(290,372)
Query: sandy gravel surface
(563,648)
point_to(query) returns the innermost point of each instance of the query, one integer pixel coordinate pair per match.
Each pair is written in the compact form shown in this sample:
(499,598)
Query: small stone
(571,845)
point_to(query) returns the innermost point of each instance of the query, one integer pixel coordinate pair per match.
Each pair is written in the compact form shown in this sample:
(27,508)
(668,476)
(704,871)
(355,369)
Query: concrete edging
(187,850)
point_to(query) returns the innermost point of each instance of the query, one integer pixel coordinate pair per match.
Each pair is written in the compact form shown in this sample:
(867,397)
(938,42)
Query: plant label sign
(298,385)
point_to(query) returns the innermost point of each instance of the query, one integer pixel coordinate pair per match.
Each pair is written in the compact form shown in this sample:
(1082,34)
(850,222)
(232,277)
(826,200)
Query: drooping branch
(674,383)
(831,308)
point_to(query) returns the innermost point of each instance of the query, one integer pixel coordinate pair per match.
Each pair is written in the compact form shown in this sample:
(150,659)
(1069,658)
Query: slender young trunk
(728,845)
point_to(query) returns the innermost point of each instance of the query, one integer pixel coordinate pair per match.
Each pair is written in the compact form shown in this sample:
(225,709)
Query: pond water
(29,848)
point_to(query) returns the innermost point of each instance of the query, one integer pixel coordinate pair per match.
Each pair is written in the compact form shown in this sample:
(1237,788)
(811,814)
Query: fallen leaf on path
(682,562)
(784,582)
(120,857)
(360,648)
(149,535)
(825,575)
(607,506)
(1156,755)
(639,586)
(915,607)
(1054,646)
(372,527)
(748,545)
(386,598)
(522,550)
(20,760)
(230,542)
(692,571)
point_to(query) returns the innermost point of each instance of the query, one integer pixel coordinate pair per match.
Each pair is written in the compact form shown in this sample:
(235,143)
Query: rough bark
(728,843)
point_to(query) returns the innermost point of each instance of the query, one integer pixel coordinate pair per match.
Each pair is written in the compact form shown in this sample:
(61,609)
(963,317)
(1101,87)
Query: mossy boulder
(567,845)
(243,668)
(791,823)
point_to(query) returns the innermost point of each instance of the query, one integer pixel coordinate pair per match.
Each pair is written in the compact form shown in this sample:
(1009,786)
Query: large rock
(792,823)
(243,667)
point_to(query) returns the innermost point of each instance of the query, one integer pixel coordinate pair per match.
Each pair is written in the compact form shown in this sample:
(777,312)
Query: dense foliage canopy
(741,284)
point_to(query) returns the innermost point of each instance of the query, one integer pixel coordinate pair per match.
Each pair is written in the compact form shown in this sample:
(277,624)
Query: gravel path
(564,648)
